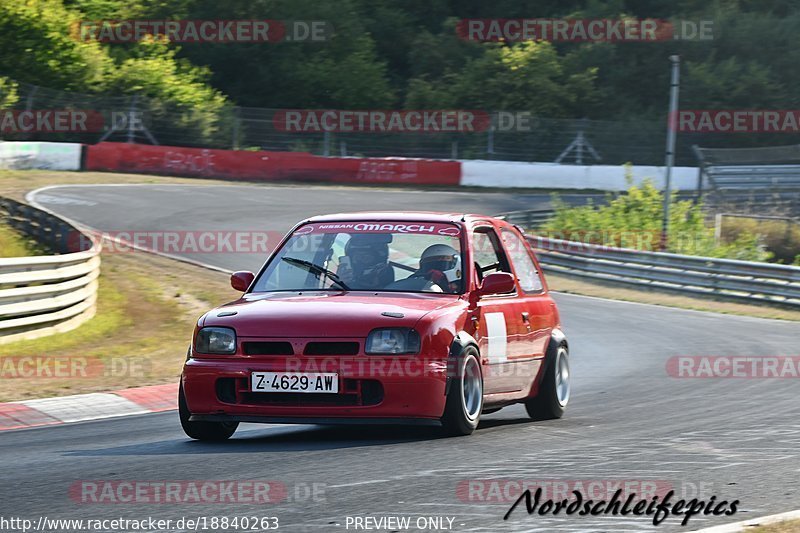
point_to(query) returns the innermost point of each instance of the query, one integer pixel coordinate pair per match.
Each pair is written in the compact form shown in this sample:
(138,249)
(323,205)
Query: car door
(499,329)
(536,307)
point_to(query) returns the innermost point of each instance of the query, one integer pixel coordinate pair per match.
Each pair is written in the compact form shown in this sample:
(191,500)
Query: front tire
(204,431)
(554,391)
(462,411)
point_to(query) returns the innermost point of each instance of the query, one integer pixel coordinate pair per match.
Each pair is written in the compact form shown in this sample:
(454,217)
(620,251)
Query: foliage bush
(634,219)
(781,237)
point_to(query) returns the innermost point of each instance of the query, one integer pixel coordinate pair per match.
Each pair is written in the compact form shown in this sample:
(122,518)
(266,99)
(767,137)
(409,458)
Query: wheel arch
(461,342)
(557,338)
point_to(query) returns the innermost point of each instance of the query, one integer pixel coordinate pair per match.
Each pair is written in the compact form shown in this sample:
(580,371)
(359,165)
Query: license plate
(294,382)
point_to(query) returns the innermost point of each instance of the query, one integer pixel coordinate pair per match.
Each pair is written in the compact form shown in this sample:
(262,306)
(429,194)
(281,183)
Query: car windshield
(368,256)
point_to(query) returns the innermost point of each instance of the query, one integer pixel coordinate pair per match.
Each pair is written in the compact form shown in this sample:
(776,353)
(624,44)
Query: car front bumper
(371,389)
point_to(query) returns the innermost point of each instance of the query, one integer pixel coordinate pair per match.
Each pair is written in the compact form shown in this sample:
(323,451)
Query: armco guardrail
(528,219)
(48,294)
(722,278)
(705,276)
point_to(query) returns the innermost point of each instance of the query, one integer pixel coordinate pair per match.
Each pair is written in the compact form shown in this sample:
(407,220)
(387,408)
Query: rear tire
(462,411)
(554,391)
(204,431)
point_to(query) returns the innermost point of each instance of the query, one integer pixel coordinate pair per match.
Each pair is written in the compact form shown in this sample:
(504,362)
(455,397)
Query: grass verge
(15,244)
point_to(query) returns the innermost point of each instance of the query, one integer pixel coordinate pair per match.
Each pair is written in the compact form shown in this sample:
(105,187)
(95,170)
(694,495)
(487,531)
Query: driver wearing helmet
(365,264)
(441,264)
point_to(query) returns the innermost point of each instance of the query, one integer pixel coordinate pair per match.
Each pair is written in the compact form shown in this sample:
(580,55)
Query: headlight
(392,341)
(215,340)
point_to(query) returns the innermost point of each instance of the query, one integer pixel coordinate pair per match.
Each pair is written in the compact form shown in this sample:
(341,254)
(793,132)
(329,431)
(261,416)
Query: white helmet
(443,258)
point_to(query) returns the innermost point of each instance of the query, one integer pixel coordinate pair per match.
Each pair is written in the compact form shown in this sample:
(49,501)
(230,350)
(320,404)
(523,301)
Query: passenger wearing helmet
(441,264)
(365,264)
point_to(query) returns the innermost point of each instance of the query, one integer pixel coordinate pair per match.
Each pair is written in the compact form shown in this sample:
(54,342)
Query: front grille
(267,348)
(331,348)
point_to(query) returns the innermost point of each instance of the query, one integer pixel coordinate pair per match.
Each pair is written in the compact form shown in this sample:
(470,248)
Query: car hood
(323,314)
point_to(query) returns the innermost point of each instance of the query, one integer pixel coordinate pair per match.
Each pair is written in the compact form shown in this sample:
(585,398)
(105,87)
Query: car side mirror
(241,280)
(497,283)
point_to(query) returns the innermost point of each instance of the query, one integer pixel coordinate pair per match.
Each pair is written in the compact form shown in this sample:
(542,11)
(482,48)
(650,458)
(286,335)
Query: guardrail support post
(671,134)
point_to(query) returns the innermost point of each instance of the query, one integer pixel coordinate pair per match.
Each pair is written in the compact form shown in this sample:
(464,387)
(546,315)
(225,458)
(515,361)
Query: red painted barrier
(267,166)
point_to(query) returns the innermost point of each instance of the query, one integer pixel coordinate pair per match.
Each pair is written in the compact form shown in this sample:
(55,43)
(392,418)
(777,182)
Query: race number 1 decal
(497,337)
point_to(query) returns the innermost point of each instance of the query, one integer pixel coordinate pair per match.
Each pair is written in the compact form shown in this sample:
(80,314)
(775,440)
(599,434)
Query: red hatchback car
(400,318)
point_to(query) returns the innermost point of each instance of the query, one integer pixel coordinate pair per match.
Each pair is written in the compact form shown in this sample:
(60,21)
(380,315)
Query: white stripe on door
(497,337)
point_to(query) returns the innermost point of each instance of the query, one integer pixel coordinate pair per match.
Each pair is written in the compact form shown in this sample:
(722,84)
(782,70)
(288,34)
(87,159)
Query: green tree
(526,76)
(8,93)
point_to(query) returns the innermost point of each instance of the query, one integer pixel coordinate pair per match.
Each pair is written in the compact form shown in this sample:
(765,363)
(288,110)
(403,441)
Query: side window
(487,253)
(529,278)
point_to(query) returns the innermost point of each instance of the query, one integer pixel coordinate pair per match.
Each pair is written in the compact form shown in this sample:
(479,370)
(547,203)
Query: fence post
(29,100)
(490,140)
(236,119)
(326,143)
(29,107)
(700,171)
(131,113)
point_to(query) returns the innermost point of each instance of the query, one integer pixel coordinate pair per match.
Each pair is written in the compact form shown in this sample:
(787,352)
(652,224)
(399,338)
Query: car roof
(399,216)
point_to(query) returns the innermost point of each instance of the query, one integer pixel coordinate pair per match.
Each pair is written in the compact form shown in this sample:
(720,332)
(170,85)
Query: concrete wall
(556,176)
(40,155)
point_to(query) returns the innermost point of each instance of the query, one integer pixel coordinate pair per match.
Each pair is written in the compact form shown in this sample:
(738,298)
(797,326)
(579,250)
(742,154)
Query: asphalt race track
(627,420)
(245,208)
